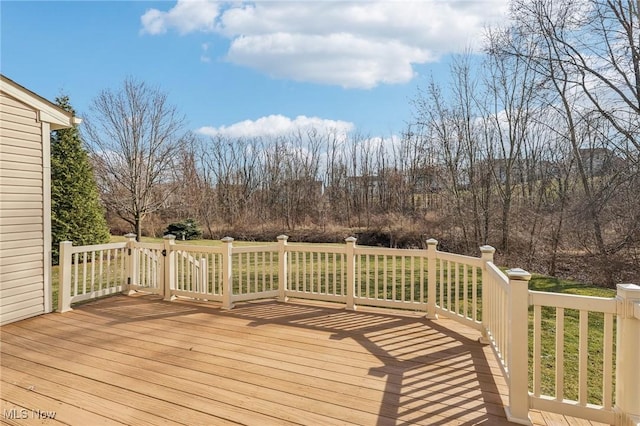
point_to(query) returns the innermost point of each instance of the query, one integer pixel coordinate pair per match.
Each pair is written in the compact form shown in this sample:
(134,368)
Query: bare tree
(589,52)
(233,166)
(512,86)
(336,180)
(362,178)
(438,116)
(300,187)
(197,198)
(134,134)
(474,126)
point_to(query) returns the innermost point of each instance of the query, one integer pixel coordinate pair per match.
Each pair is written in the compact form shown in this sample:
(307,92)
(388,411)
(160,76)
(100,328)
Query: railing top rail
(255,249)
(185,248)
(151,246)
(390,251)
(97,247)
(606,305)
(460,258)
(492,268)
(497,274)
(313,249)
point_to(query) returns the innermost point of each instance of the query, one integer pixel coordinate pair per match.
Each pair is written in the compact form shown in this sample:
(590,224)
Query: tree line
(534,148)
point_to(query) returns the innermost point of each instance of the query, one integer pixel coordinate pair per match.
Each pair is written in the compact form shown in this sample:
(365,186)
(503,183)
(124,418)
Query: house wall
(23,199)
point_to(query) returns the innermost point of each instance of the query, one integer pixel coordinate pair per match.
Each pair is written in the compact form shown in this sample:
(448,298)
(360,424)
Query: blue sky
(246,68)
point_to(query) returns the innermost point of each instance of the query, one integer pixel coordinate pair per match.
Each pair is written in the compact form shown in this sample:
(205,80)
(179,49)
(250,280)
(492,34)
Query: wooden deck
(141,361)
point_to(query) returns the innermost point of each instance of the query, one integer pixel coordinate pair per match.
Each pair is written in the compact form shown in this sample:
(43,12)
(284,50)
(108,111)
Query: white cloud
(278,125)
(348,43)
(186,16)
(338,59)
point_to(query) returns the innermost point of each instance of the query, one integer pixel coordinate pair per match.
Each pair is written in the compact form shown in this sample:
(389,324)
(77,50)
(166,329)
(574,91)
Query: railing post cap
(130,235)
(432,242)
(66,242)
(487,249)
(169,237)
(282,237)
(628,289)
(351,239)
(227,240)
(518,274)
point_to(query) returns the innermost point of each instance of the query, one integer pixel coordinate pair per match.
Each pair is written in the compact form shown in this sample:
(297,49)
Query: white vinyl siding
(22,216)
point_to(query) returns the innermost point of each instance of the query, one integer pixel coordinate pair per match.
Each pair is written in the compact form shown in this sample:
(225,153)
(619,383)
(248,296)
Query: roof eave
(47,111)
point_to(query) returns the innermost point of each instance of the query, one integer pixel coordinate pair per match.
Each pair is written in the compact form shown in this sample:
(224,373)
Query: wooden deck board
(89,394)
(139,360)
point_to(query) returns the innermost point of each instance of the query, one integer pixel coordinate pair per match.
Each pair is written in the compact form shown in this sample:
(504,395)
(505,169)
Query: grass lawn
(556,285)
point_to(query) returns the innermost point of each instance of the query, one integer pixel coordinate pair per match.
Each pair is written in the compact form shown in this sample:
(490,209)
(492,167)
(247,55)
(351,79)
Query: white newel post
(131,266)
(282,268)
(628,354)
(227,273)
(168,256)
(486,254)
(432,247)
(518,347)
(64,287)
(351,273)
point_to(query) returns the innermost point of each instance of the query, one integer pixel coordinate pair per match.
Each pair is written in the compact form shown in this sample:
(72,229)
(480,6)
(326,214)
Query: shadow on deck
(140,360)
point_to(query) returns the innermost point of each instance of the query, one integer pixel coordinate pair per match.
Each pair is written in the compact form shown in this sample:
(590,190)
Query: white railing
(197,272)
(255,273)
(318,273)
(590,323)
(468,289)
(429,280)
(226,273)
(89,272)
(459,283)
(391,278)
(145,266)
(496,314)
